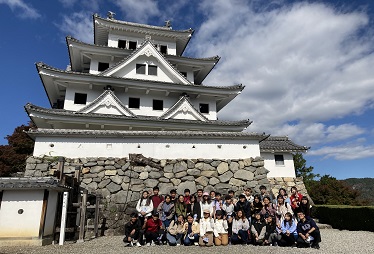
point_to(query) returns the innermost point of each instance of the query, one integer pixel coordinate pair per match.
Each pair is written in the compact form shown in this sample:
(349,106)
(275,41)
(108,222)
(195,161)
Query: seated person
(308,231)
(220,229)
(257,205)
(191,230)
(288,231)
(175,231)
(271,234)
(153,229)
(258,230)
(206,229)
(132,231)
(240,226)
(268,208)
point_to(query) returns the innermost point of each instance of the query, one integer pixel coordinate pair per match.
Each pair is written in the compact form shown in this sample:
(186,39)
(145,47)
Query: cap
(206,194)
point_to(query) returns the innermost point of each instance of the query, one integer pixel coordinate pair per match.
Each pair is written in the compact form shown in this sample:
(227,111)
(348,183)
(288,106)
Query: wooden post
(63,217)
(97,215)
(83,217)
(61,163)
(79,200)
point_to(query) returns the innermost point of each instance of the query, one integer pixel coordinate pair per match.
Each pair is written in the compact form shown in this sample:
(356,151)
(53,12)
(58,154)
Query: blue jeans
(187,241)
(174,239)
(166,223)
(243,235)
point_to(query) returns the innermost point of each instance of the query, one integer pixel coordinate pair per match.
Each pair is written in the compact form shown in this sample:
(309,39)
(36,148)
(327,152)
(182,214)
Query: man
(187,196)
(132,231)
(156,198)
(231,193)
(153,229)
(308,231)
(248,194)
(295,199)
(173,196)
(199,197)
(263,192)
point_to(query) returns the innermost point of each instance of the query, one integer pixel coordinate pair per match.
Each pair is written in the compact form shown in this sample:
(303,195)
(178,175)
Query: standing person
(244,205)
(187,196)
(240,226)
(268,208)
(132,231)
(231,193)
(295,199)
(199,196)
(212,195)
(194,208)
(220,229)
(192,230)
(228,208)
(271,234)
(206,204)
(173,195)
(248,194)
(304,206)
(144,207)
(256,205)
(282,208)
(175,231)
(258,230)
(180,207)
(156,198)
(166,210)
(206,229)
(308,232)
(153,229)
(288,231)
(263,192)
(217,203)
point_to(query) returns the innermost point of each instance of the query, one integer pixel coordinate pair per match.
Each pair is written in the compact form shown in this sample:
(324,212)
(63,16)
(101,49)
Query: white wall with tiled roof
(286,170)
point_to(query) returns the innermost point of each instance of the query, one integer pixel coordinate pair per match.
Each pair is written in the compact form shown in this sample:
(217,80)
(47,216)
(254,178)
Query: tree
(13,156)
(302,170)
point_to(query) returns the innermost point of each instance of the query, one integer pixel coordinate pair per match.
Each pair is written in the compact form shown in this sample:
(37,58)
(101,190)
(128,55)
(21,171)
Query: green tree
(302,170)
(13,156)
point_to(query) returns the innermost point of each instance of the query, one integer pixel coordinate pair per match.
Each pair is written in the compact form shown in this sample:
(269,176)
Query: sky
(307,65)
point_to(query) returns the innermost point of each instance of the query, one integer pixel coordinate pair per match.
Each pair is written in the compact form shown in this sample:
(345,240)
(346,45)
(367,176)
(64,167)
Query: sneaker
(178,244)
(148,244)
(315,246)
(131,244)
(153,243)
(196,243)
(138,244)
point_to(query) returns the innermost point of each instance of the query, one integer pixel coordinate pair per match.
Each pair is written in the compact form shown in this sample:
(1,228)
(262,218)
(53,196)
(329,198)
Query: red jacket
(153,225)
(295,202)
(156,200)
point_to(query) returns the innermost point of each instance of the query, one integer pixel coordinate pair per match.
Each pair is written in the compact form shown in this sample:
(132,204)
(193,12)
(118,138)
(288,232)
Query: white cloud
(79,25)
(138,11)
(22,9)
(347,152)
(67,3)
(302,64)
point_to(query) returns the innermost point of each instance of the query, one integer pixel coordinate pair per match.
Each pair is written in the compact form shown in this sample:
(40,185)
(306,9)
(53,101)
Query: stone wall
(121,181)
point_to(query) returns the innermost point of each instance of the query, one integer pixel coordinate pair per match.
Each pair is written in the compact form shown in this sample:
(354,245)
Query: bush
(346,217)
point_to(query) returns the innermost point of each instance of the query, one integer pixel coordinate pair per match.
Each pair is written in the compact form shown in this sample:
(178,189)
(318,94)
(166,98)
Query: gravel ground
(333,241)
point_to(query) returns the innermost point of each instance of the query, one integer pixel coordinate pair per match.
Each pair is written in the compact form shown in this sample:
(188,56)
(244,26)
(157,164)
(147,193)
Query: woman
(206,229)
(166,209)
(180,207)
(283,192)
(191,231)
(269,208)
(144,207)
(240,226)
(288,231)
(282,208)
(271,234)
(257,205)
(175,231)
(304,207)
(258,230)
(220,229)
(194,208)
(206,204)
(244,205)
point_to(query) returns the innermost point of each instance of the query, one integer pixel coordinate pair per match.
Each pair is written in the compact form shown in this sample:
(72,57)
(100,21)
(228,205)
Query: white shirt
(220,227)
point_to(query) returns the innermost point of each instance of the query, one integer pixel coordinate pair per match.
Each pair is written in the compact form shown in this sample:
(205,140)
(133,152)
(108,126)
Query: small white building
(133,91)
(28,210)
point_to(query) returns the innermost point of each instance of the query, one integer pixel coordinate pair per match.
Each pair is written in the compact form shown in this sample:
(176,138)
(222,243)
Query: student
(199,196)
(258,230)
(240,226)
(153,230)
(156,198)
(144,207)
(175,231)
(295,199)
(206,204)
(191,230)
(180,207)
(217,203)
(212,195)
(232,195)
(263,192)
(308,232)
(206,229)
(173,195)
(282,208)
(220,229)
(194,208)
(248,194)
(256,205)
(288,233)
(166,210)
(187,196)
(283,192)
(243,205)
(304,206)
(132,231)
(268,208)
(228,209)
(271,234)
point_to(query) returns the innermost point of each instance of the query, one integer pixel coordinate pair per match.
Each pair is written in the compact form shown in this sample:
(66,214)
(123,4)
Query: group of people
(208,219)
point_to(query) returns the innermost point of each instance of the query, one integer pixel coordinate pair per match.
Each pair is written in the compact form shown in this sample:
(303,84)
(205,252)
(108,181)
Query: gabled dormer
(146,63)
(183,109)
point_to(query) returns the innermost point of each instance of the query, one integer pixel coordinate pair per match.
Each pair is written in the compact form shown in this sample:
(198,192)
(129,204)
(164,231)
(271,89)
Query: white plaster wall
(51,213)
(286,170)
(149,147)
(92,94)
(27,224)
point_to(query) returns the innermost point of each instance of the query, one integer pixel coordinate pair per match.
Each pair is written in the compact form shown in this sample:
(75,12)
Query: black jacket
(131,226)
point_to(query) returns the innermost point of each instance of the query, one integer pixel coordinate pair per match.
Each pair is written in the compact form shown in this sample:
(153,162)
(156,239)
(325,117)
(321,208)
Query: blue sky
(307,65)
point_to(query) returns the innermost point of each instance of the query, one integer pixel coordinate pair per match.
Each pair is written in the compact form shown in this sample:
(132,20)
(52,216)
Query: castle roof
(31,183)
(280,144)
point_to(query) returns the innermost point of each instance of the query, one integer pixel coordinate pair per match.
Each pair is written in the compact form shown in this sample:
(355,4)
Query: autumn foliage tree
(13,156)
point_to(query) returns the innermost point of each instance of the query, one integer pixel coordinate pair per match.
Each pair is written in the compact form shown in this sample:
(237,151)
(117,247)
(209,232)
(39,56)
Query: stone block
(125,186)
(92,186)
(138,187)
(247,162)
(104,193)
(131,174)
(234,166)
(120,197)
(225,177)
(85,170)
(236,182)
(147,169)
(90,164)
(103,183)
(186,185)
(209,188)
(150,183)
(126,166)
(168,168)
(96,169)
(180,174)
(222,168)
(154,174)
(138,169)
(169,175)
(90,175)
(110,167)
(42,167)
(87,180)
(175,181)
(113,187)
(29,173)
(241,164)
(180,167)
(163,163)
(259,163)
(143,175)
(188,178)
(109,162)
(165,188)
(193,172)
(100,163)
(116,179)
(209,173)
(30,166)
(213,181)
(120,172)
(190,164)
(164,180)
(244,175)
(215,163)
(202,180)
(136,181)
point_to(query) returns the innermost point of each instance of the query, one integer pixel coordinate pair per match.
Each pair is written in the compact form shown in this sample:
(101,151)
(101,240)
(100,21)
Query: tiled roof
(279,144)
(181,134)
(15,183)
(31,107)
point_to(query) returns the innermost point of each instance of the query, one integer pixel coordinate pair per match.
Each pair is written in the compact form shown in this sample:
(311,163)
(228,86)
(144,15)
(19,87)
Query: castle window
(122,44)
(279,160)
(140,68)
(132,45)
(134,102)
(103,66)
(184,74)
(152,70)
(80,98)
(158,104)
(163,49)
(204,108)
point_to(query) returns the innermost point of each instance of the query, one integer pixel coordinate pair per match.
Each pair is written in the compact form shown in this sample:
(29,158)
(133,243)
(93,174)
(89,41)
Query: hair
(293,187)
(178,199)
(200,190)
(173,191)
(283,189)
(257,196)
(156,188)
(289,222)
(231,191)
(177,222)
(193,197)
(237,217)
(187,190)
(209,200)
(147,198)
(218,194)
(134,215)
(227,197)
(262,187)
(212,191)
(167,196)
(305,208)
(241,196)
(268,198)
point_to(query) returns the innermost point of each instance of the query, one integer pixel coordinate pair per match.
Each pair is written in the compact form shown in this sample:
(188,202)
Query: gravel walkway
(333,241)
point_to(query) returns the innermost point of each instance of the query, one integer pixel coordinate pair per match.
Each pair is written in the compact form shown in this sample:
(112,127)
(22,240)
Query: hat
(206,194)
(206,211)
